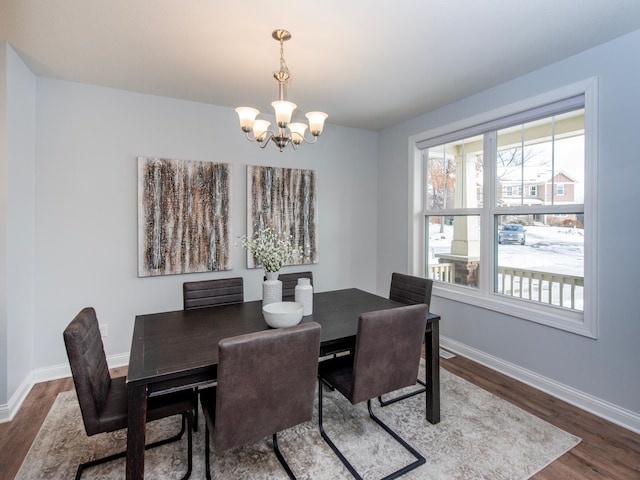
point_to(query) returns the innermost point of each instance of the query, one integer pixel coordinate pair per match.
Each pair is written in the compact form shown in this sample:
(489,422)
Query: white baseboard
(9,410)
(613,413)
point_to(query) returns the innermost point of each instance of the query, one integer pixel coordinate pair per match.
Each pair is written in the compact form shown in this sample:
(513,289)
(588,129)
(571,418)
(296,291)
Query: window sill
(567,320)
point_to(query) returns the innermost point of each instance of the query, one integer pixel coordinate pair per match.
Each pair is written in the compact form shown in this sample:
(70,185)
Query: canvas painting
(183,216)
(286,200)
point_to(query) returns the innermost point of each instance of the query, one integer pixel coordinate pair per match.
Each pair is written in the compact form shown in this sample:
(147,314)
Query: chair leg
(189,417)
(207,449)
(195,412)
(186,425)
(283,462)
(335,449)
(384,403)
(420,460)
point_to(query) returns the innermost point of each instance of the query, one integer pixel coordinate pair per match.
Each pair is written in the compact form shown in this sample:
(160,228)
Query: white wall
(87,142)
(606,368)
(17,223)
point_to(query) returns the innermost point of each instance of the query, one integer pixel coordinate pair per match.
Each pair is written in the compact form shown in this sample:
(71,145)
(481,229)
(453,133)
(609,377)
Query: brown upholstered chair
(211,293)
(103,400)
(290,280)
(266,384)
(386,358)
(409,290)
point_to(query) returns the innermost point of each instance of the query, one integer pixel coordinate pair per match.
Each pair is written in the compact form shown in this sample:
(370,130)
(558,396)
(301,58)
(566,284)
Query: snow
(547,249)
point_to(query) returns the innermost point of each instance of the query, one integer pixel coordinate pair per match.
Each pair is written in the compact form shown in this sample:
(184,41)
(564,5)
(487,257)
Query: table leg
(136,431)
(432,372)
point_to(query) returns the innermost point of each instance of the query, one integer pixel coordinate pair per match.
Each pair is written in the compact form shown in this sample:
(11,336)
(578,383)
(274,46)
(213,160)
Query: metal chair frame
(420,460)
(397,293)
(186,420)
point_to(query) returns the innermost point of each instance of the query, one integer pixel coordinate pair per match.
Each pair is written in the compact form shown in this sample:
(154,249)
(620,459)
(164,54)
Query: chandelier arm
(261,143)
(310,142)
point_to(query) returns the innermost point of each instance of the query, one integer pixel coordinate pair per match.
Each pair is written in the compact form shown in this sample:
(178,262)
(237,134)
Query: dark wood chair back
(410,290)
(210,293)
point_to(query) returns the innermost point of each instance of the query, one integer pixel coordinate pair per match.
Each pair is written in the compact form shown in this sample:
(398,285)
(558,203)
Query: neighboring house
(534,186)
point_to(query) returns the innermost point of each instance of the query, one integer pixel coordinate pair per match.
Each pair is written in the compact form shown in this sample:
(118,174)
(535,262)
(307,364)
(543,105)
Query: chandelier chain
(283,74)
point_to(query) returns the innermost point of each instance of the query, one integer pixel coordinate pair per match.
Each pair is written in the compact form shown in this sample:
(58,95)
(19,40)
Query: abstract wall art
(183,216)
(286,200)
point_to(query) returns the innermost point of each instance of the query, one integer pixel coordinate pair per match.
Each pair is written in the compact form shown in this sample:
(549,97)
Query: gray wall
(68,210)
(606,368)
(86,203)
(17,228)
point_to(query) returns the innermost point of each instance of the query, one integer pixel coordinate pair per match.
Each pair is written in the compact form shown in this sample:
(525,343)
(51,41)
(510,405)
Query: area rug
(480,436)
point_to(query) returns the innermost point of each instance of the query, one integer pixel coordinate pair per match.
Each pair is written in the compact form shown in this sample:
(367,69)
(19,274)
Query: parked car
(512,232)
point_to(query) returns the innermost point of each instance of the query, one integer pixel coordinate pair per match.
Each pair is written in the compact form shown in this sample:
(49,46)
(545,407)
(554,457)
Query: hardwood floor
(607,451)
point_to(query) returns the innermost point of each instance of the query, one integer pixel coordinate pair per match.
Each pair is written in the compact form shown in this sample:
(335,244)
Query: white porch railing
(552,288)
(443,272)
(545,287)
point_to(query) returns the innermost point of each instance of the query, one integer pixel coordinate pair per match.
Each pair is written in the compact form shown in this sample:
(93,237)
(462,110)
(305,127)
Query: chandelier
(287,132)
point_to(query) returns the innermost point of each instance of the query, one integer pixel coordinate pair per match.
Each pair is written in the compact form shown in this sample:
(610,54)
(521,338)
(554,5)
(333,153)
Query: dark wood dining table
(179,349)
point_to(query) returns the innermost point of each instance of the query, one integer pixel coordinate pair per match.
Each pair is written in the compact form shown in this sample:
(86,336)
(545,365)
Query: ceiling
(367,63)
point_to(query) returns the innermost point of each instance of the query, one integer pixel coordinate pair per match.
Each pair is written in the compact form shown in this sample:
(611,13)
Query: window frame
(582,323)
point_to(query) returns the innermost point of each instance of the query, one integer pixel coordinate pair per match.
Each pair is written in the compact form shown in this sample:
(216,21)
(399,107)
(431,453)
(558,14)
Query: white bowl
(283,314)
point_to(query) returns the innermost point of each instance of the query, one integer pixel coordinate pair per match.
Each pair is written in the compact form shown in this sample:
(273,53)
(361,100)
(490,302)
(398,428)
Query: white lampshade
(260,128)
(297,132)
(316,122)
(247,116)
(284,110)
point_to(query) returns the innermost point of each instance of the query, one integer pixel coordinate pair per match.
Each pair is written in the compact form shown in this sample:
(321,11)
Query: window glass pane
(453,249)
(541,258)
(533,158)
(454,174)
(569,161)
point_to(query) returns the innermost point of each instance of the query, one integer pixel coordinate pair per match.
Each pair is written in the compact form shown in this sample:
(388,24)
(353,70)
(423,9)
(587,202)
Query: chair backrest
(410,290)
(387,352)
(89,367)
(266,383)
(290,280)
(210,293)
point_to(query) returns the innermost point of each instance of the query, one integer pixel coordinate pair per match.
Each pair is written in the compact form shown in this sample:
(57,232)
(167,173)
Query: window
(486,245)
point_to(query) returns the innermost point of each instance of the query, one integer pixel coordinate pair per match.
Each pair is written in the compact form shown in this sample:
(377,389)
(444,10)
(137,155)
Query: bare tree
(442,179)
(511,159)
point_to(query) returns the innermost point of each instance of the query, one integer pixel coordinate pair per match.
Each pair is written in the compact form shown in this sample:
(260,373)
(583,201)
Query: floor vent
(446,355)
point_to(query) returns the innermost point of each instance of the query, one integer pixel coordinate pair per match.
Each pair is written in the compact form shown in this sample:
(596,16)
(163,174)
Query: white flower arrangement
(272,250)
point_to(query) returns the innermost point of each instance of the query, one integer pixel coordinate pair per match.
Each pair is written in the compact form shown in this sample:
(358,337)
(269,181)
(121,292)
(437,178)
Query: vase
(271,288)
(304,295)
